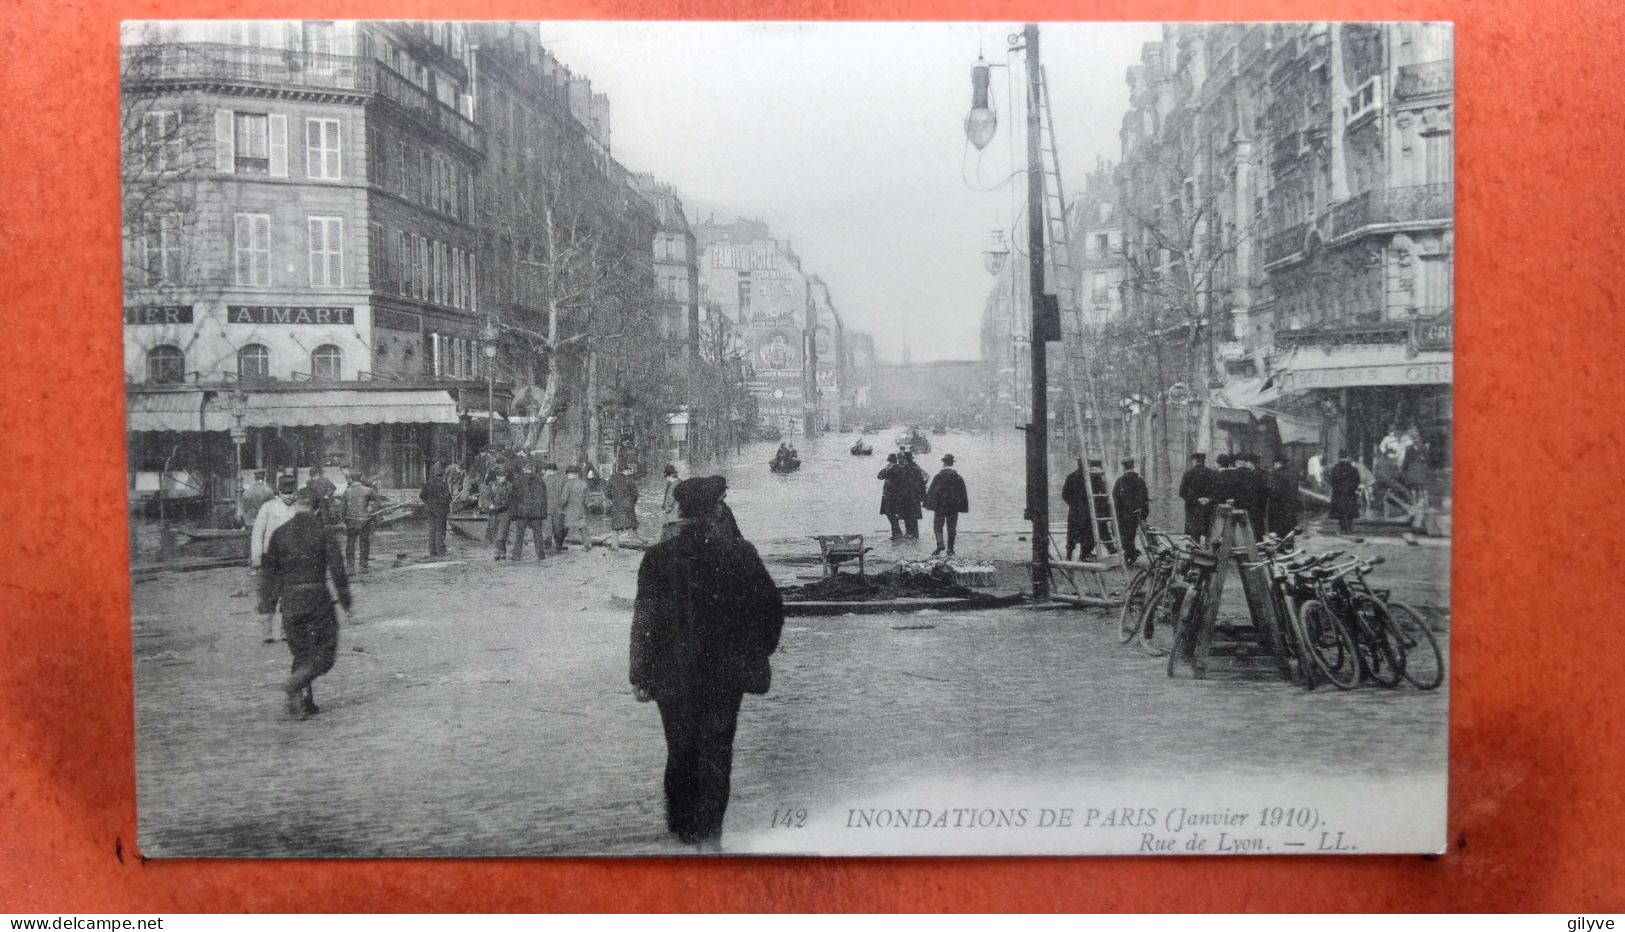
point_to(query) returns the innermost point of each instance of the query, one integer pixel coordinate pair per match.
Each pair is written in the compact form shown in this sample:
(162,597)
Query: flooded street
(511,730)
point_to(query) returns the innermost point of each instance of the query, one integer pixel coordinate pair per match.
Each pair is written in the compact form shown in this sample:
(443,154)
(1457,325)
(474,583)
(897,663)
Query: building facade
(298,204)
(1288,196)
(757,283)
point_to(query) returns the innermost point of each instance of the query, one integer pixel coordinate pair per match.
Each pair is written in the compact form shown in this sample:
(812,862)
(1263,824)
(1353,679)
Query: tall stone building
(758,284)
(300,259)
(1287,194)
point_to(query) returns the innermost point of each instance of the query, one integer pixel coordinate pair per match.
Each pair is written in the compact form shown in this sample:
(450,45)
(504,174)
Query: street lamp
(237,401)
(488,339)
(981,122)
(996,252)
(979,126)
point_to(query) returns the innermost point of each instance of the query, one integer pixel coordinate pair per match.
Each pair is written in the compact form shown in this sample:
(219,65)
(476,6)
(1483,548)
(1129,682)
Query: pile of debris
(904,581)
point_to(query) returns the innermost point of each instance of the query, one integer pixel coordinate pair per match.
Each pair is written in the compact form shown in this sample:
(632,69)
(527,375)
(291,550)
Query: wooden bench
(835,549)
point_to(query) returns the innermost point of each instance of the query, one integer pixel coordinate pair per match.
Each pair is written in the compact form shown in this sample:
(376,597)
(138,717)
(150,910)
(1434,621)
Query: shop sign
(1437,333)
(1434,373)
(395,320)
(289,314)
(158,314)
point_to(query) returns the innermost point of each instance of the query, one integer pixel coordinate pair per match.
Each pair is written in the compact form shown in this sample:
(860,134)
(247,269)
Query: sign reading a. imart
(288,314)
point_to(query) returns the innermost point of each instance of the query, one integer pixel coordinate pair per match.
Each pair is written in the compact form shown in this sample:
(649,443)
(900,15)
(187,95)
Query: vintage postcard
(611,438)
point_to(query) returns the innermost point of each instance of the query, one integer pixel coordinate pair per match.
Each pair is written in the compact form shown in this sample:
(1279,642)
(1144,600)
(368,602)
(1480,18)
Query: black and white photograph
(652,439)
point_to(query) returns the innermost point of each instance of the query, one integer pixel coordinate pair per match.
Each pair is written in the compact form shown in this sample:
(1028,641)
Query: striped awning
(168,410)
(338,407)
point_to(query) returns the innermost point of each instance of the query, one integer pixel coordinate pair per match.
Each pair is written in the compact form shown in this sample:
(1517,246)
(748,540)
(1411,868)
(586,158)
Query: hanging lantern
(981,122)
(996,252)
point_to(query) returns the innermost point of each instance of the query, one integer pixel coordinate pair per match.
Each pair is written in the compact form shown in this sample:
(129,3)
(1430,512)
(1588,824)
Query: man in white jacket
(272,515)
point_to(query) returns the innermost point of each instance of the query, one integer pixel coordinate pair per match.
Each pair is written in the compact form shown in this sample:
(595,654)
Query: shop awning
(338,407)
(1311,367)
(163,410)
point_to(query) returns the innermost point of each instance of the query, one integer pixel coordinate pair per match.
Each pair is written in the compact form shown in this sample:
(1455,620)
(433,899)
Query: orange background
(1537,756)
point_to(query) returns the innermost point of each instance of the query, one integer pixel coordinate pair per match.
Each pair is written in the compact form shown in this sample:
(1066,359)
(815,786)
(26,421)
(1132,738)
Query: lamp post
(488,340)
(238,401)
(979,125)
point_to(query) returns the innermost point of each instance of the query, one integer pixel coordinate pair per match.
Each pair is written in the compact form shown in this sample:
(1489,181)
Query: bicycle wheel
(1157,620)
(1380,649)
(1182,646)
(1134,599)
(1424,662)
(1298,647)
(1330,644)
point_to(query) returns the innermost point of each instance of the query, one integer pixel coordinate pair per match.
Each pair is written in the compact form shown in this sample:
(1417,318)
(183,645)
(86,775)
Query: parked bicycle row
(1318,615)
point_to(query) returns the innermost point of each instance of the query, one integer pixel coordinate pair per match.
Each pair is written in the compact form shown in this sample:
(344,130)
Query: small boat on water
(784,464)
(914,442)
(862,449)
(939,430)
(870,429)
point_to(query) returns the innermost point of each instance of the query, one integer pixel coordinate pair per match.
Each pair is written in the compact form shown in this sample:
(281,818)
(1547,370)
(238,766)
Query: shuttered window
(326,252)
(251,249)
(322,150)
(161,248)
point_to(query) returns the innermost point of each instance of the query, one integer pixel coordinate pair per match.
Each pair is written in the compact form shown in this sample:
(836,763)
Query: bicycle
(1154,624)
(1330,643)
(1192,582)
(1159,559)
(1395,641)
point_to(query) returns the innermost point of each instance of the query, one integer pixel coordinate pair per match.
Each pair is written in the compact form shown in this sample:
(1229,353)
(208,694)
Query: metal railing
(267,68)
(1391,205)
(1381,333)
(1425,79)
(1285,243)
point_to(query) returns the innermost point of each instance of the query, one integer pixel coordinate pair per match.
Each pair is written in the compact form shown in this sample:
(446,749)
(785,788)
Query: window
(400,177)
(377,157)
(1100,294)
(1103,245)
(456,277)
(422,288)
(403,264)
(251,249)
(253,362)
(326,252)
(245,32)
(320,38)
(327,363)
(744,296)
(161,248)
(160,142)
(166,364)
(377,256)
(322,149)
(251,141)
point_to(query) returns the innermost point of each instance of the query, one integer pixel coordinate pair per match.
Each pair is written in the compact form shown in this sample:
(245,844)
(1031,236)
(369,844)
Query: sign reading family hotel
(288,314)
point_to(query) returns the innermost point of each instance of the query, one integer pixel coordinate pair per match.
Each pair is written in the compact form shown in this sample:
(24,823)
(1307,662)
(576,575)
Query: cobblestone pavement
(482,708)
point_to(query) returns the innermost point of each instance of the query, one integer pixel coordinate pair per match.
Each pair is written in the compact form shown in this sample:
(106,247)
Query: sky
(848,139)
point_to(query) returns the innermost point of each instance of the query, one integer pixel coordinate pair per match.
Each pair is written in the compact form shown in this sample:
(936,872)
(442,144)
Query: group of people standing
(906,489)
(1088,518)
(1270,500)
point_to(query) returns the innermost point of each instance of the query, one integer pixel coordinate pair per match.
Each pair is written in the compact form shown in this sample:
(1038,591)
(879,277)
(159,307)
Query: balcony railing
(1424,80)
(1285,243)
(1422,202)
(1372,334)
(272,68)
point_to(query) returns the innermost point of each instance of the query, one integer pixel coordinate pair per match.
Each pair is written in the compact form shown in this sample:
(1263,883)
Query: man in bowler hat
(947,499)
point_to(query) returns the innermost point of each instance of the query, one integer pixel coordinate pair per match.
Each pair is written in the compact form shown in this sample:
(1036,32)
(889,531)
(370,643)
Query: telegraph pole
(1038,332)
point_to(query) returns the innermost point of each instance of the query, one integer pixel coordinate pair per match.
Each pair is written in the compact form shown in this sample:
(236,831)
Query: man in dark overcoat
(1344,480)
(293,575)
(1133,504)
(947,499)
(1080,531)
(1196,488)
(436,498)
(892,493)
(914,496)
(1251,491)
(527,510)
(706,619)
(1283,508)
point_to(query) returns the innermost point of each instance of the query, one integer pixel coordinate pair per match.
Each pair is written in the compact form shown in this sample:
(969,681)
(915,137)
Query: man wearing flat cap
(1133,504)
(294,571)
(706,619)
(272,515)
(947,499)
(1196,488)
